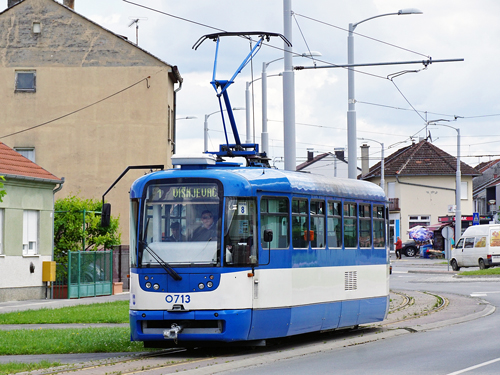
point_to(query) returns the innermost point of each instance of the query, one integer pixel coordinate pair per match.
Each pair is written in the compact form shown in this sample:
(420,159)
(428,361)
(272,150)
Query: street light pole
(205,127)
(352,151)
(458,183)
(265,134)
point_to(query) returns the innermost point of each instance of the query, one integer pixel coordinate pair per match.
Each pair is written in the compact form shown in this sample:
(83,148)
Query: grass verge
(108,312)
(489,271)
(16,367)
(66,341)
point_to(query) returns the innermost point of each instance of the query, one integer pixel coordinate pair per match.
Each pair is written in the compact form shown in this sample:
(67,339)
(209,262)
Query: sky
(392,112)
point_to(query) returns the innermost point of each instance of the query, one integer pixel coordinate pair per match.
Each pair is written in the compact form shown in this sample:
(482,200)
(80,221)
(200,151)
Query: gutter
(174,121)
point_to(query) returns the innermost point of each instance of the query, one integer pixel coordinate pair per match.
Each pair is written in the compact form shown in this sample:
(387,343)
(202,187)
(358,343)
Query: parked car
(410,248)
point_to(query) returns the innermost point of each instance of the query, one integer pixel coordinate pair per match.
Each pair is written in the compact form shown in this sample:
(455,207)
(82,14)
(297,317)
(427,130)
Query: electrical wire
(78,110)
(361,35)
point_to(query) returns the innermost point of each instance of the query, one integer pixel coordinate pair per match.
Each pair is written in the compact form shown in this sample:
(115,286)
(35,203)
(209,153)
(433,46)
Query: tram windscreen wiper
(162,263)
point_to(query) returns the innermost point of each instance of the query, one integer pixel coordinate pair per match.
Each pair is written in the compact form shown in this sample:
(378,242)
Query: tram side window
(350,225)
(299,223)
(317,235)
(378,226)
(334,224)
(240,231)
(274,215)
(365,225)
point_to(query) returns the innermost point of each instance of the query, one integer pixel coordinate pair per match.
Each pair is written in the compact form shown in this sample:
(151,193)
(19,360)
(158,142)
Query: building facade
(82,101)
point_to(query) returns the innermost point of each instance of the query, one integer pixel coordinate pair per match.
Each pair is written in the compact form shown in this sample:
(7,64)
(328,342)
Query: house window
(414,220)
(26,80)
(30,232)
(463,190)
(27,152)
(1,229)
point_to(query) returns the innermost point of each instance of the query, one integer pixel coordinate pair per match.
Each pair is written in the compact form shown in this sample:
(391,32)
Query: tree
(70,234)
(2,191)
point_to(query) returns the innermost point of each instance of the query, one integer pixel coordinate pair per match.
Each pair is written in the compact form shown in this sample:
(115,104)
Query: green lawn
(65,341)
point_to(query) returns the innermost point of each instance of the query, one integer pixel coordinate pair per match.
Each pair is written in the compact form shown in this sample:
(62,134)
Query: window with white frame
(1,229)
(463,190)
(414,220)
(25,80)
(30,232)
(27,152)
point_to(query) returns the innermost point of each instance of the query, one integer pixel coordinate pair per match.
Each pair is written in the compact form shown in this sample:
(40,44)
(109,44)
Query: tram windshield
(181,225)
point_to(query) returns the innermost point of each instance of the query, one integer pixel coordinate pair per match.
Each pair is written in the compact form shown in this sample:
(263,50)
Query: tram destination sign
(188,192)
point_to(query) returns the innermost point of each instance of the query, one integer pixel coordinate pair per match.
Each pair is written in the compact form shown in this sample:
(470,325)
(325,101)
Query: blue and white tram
(287,253)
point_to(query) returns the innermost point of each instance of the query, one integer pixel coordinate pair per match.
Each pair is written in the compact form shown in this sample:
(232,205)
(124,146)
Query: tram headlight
(201,286)
(148,285)
(156,286)
(210,284)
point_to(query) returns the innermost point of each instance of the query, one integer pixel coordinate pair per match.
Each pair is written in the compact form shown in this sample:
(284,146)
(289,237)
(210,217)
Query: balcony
(394,204)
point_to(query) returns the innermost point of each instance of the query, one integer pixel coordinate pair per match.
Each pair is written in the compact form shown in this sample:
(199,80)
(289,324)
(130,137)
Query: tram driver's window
(300,223)
(317,231)
(240,232)
(350,225)
(334,224)
(274,213)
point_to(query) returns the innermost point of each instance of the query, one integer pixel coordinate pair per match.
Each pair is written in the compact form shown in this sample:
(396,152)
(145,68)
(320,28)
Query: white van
(478,246)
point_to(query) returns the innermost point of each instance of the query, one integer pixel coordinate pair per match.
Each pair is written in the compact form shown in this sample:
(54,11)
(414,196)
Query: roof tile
(13,163)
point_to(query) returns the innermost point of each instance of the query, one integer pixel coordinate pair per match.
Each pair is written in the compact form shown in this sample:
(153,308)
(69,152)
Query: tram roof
(248,181)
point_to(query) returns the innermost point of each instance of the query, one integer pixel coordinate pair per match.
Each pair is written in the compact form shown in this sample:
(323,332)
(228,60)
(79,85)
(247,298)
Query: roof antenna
(136,21)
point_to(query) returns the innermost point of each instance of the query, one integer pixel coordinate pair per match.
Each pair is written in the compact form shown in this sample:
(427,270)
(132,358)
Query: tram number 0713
(178,298)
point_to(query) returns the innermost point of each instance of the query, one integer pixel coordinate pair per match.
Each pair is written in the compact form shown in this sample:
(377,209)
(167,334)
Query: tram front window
(181,225)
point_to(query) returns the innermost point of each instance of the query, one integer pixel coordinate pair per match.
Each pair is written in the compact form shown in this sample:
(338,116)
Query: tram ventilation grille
(351,280)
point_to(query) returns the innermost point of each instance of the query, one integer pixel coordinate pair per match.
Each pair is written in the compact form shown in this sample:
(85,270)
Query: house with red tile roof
(26,225)
(420,182)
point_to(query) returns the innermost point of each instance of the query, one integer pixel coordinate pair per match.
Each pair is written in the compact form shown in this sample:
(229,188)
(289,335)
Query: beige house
(82,101)
(420,183)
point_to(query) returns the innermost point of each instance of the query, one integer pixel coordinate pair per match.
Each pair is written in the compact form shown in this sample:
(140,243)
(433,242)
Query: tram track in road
(410,307)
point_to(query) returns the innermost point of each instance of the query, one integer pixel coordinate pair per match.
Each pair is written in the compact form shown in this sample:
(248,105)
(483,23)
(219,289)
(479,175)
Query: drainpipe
(174,126)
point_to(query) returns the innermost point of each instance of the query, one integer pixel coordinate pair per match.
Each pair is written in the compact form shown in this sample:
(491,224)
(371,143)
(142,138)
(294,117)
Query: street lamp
(265,134)
(205,126)
(382,171)
(458,188)
(351,112)
(173,135)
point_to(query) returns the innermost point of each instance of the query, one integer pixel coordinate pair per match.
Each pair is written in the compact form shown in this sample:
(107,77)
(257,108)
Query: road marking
(474,367)
(483,294)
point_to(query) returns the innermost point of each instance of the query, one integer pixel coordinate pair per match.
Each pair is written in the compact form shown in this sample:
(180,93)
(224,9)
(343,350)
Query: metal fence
(87,274)
(121,266)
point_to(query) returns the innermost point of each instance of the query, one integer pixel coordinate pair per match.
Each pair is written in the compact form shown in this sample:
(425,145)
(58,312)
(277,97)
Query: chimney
(11,3)
(69,4)
(365,161)
(310,155)
(339,153)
